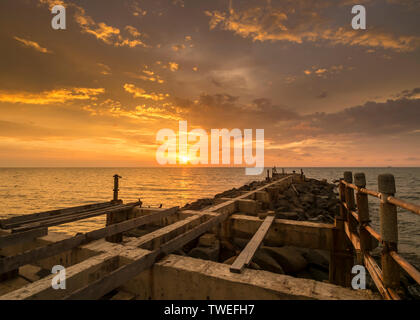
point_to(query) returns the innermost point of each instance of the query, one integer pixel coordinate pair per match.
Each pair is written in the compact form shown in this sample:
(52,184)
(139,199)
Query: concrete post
(389,231)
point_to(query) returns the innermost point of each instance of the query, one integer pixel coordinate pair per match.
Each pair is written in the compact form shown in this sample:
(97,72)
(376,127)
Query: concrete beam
(248,206)
(185,278)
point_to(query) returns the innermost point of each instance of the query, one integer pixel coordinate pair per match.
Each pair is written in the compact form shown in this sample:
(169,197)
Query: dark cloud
(409,93)
(390,117)
(399,116)
(322,95)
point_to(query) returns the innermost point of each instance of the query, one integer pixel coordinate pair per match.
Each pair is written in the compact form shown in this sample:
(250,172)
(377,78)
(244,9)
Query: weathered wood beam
(13,262)
(247,254)
(376,274)
(16,238)
(27,218)
(75,217)
(354,238)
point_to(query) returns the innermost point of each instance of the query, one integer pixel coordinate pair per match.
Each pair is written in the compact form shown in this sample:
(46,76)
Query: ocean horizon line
(198,167)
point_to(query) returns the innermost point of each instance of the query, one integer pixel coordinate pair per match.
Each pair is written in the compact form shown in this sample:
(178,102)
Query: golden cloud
(173,66)
(105,70)
(178,47)
(141,93)
(147,75)
(53,96)
(298,25)
(102,31)
(145,112)
(33,45)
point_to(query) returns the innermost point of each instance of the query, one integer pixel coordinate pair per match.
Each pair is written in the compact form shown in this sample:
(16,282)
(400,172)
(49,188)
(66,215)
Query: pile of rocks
(312,200)
(294,261)
(201,204)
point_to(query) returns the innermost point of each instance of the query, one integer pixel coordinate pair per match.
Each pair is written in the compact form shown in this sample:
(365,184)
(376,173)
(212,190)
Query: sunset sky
(97,93)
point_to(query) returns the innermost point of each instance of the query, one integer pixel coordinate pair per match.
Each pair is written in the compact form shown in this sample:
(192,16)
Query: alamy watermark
(358,282)
(58,22)
(179,151)
(359,20)
(58,281)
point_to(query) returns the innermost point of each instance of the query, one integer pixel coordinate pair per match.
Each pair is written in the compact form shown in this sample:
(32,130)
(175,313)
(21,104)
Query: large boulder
(263,215)
(307,197)
(290,258)
(287,215)
(318,258)
(284,203)
(318,274)
(266,262)
(240,243)
(230,261)
(289,193)
(252,264)
(227,250)
(207,240)
(206,253)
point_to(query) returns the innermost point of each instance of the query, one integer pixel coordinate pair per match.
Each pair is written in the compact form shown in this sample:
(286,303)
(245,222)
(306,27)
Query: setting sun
(184,159)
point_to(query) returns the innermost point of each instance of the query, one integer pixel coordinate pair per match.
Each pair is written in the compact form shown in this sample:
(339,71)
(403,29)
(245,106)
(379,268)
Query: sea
(30,190)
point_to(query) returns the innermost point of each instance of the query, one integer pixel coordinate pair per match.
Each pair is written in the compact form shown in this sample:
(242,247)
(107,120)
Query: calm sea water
(28,190)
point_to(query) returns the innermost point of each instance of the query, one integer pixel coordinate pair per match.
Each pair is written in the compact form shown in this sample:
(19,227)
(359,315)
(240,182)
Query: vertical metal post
(113,218)
(116,187)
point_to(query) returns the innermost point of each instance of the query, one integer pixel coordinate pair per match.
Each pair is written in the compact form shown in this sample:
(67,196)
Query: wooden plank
(247,254)
(376,274)
(405,205)
(354,238)
(15,221)
(13,262)
(17,238)
(71,218)
(412,271)
(123,274)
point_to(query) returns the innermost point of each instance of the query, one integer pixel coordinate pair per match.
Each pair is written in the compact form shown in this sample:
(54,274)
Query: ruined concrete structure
(111,263)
